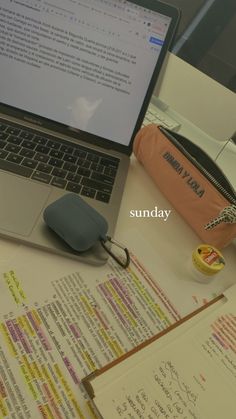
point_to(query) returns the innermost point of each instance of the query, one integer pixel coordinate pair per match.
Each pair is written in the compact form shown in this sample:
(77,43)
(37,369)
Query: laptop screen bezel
(54,126)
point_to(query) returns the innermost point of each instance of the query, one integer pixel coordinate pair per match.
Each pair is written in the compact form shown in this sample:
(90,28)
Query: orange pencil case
(191,181)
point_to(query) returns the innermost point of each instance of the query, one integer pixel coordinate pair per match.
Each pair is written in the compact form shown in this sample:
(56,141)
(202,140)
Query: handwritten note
(174,398)
(182,379)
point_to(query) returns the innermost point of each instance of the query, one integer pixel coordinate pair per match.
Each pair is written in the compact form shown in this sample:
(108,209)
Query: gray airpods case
(76,222)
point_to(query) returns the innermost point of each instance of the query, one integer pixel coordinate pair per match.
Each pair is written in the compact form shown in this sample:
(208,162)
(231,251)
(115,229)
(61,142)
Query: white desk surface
(172,240)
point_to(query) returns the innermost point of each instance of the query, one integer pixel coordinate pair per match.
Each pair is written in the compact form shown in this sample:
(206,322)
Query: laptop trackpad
(21,202)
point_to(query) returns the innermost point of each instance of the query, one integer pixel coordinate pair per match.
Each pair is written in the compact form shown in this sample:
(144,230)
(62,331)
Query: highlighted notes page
(61,320)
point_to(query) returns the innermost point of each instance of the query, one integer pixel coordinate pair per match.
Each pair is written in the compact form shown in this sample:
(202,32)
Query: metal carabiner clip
(117,259)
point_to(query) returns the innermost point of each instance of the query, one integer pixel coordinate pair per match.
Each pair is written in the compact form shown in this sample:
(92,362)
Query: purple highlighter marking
(71,370)
(99,316)
(47,391)
(220,341)
(39,331)
(106,293)
(23,341)
(114,306)
(123,297)
(32,321)
(75,330)
(44,340)
(115,286)
(56,409)
(10,326)
(123,289)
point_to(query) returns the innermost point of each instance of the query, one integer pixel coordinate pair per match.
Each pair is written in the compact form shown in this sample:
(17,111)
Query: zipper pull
(227,215)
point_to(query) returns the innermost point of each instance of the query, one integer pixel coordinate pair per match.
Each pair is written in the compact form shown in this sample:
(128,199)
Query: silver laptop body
(74,75)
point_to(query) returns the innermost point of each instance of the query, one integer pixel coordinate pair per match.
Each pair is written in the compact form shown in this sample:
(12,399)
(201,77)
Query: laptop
(76,77)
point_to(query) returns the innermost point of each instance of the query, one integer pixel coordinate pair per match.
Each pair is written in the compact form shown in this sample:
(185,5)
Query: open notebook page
(194,376)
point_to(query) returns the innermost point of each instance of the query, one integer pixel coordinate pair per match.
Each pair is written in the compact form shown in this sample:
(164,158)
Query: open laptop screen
(84,63)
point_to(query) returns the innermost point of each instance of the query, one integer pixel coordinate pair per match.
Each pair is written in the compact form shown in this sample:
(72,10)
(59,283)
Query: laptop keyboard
(57,162)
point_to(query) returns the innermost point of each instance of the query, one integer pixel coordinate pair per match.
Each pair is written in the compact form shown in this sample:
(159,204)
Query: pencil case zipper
(231,196)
